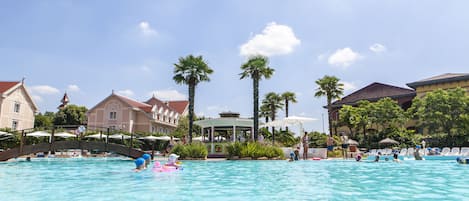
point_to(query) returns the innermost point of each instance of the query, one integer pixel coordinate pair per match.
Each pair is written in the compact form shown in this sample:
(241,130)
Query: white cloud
(274,40)
(37,98)
(126,92)
(168,95)
(73,88)
(378,48)
(343,57)
(348,86)
(146,29)
(43,89)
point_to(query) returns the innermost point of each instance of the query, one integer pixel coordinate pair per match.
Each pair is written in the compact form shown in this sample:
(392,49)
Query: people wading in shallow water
(305,142)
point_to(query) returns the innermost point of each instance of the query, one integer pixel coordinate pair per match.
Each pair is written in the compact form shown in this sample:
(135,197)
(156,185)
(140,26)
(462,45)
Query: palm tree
(273,101)
(256,68)
(330,87)
(264,112)
(287,97)
(191,71)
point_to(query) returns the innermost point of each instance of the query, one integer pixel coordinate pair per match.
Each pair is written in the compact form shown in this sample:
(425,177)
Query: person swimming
(139,164)
(395,157)
(147,159)
(297,153)
(359,157)
(377,157)
(172,160)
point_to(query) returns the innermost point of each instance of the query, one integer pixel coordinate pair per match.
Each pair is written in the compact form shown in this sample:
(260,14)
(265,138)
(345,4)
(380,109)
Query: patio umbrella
(40,134)
(64,135)
(150,137)
(388,141)
(2,133)
(97,136)
(5,135)
(165,138)
(119,136)
(351,142)
(289,121)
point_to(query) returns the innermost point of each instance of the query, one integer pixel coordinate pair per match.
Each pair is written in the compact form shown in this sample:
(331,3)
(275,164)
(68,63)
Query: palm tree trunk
(286,112)
(255,80)
(272,113)
(329,115)
(191,110)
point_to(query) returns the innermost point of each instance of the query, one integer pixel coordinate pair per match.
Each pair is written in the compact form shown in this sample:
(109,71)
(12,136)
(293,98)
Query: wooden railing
(61,145)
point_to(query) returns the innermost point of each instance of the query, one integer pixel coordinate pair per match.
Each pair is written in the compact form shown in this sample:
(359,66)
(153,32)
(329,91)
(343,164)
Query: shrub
(253,150)
(194,150)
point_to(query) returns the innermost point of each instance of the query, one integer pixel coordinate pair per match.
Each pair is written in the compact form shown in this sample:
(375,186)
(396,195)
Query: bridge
(61,145)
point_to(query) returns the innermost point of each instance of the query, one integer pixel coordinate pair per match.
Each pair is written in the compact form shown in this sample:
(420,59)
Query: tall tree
(329,87)
(191,70)
(45,120)
(256,68)
(265,112)
(288,97)
(443,110)
(71,115)
(273,101)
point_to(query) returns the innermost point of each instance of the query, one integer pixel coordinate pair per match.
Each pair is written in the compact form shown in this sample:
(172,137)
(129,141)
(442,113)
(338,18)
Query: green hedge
(253,149)
(194,150)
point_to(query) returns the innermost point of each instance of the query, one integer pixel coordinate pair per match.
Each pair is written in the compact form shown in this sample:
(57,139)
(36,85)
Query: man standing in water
(305,141)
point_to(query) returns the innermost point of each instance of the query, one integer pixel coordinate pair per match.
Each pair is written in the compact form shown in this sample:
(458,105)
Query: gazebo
(229,125)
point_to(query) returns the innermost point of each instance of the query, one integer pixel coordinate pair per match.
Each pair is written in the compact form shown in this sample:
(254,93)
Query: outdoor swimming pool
(112,179)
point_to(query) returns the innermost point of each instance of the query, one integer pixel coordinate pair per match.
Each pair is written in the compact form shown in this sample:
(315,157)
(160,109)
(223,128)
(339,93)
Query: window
(16,108)
(112,115)
(14,125)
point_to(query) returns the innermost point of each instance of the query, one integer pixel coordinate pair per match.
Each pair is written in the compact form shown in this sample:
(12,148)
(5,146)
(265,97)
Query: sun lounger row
(446,151)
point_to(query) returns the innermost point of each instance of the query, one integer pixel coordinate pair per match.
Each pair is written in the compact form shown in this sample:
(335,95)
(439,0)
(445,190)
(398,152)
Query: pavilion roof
(225,122)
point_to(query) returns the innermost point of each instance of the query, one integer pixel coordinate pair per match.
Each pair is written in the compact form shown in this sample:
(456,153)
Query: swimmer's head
(173,156)
(139,162)
(146,156)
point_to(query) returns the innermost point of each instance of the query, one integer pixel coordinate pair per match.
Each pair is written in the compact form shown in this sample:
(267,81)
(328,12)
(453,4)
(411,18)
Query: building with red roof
(17,108)
(122,113)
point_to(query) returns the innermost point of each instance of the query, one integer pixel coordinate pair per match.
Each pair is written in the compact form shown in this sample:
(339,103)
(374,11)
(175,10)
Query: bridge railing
(79,142)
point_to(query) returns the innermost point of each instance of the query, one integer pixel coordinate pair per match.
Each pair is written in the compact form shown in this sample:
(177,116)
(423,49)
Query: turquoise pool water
(112,179)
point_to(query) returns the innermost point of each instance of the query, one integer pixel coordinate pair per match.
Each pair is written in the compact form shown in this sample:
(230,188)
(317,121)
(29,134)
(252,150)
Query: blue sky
(90,48)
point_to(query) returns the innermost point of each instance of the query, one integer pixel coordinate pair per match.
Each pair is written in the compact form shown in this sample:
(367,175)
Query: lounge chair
(372,152)
(410,151)
(403,152)
(445,151)
(387,151)
(454,151)
(464,151)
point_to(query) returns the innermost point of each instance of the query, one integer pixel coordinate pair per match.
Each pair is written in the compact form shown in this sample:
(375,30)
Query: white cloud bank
(344,57)
(44,89)
(73,88)
(146,29)
(378,48)
(126,92)
(275,39)
(168,95)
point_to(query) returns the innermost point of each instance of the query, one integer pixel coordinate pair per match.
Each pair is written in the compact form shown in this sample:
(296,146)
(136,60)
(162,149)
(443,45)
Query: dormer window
(16,107)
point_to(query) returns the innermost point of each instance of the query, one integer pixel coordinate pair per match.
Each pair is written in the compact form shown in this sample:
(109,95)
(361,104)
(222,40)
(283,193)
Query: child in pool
(172,160)
(140,164)
(147,159)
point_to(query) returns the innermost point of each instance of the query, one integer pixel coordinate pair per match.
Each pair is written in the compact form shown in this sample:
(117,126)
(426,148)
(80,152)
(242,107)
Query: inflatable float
(165,168)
